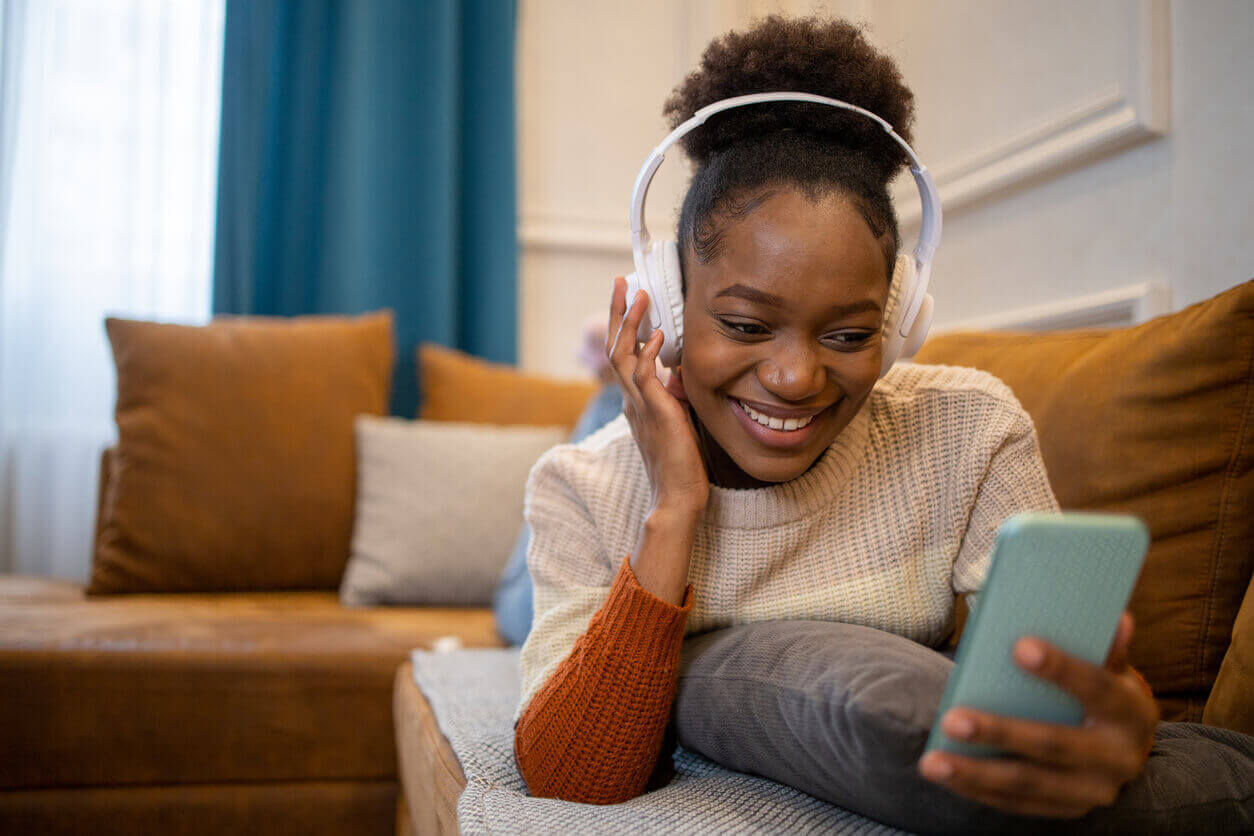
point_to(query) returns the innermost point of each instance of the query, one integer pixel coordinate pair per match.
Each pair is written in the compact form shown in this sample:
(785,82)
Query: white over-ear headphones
(908,313)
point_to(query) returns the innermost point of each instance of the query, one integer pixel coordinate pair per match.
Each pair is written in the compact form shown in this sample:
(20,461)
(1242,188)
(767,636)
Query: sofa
(187,690)
(1155,420)
(168,697)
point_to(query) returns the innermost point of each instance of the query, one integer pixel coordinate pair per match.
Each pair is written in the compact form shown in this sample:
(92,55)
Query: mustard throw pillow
(234,467)
(458,387)
(1157,421)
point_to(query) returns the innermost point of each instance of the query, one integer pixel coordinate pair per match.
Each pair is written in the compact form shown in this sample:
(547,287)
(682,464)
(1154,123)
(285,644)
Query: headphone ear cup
(893,343)
(918,333)
(635,284)
(669,290)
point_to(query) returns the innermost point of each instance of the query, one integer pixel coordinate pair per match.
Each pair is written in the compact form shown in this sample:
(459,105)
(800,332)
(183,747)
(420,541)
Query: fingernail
(937,768)
(1031,654)
(959,726)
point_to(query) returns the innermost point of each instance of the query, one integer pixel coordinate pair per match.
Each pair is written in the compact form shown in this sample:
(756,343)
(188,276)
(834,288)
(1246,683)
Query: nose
(792,372)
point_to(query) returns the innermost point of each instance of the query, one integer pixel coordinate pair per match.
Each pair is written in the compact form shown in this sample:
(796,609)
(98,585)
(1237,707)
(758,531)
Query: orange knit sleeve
(594,730)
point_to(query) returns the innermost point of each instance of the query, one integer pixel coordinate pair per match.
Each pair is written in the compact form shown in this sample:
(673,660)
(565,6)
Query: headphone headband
(929,228)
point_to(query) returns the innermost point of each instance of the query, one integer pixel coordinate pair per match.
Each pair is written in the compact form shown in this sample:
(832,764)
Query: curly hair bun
(827,57)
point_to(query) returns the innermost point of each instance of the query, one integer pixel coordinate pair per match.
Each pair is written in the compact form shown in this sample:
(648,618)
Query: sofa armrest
(432,779)
(1231,702)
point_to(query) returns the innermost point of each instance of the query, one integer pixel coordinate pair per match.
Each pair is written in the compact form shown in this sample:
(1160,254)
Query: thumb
(1117,660)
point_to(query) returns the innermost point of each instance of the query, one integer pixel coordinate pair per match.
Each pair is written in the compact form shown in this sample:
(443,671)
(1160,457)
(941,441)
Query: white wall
(1078,146)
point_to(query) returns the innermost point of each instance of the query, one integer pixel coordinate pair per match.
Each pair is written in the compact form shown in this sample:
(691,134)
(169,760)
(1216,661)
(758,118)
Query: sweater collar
(790,501)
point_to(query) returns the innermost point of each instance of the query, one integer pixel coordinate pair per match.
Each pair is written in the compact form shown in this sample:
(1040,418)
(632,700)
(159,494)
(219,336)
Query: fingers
(646,365)
(1117,659)
(1115,699)
(1093,686)
(1050,743)
(623,354)
(1065,747)
(618,306)
(1019,786)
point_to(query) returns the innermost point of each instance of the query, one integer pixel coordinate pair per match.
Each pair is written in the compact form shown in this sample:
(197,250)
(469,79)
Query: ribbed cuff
(655,626)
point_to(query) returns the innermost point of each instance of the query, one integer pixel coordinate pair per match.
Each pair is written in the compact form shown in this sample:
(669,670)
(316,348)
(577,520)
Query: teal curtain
(367,161)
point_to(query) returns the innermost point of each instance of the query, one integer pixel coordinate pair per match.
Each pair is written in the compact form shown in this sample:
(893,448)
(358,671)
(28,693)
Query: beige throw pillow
(438,508)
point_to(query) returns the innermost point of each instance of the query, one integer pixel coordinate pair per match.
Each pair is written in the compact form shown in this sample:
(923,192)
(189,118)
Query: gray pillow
(836,710)
(843,712)
(438,505)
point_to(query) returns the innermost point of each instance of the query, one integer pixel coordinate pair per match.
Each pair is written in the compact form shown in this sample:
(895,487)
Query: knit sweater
(895,517)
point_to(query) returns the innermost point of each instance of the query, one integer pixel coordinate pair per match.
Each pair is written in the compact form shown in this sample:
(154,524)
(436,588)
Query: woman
(771,477)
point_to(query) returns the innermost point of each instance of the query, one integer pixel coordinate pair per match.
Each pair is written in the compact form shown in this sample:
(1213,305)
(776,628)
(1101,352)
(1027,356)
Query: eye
(744,328)
(846,340)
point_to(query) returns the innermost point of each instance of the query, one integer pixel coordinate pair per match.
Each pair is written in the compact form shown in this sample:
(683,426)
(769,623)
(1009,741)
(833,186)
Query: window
(108,163)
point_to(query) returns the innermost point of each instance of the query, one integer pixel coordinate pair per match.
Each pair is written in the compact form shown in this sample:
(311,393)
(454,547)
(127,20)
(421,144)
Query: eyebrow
(751,294)
(761,297)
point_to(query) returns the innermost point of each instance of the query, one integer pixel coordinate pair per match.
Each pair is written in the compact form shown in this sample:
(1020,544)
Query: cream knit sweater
(894,518)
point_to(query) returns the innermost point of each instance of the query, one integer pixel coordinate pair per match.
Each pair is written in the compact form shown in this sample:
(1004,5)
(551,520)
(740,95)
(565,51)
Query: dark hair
(744,153)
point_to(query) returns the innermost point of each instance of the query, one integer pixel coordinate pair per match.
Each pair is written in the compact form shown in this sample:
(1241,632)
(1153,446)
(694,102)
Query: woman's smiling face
(782,333)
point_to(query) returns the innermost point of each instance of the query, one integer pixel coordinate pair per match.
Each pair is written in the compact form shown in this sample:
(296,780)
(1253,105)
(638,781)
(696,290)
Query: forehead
(807,251)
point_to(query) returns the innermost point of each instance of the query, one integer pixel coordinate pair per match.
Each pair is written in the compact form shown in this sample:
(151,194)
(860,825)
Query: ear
(675,385)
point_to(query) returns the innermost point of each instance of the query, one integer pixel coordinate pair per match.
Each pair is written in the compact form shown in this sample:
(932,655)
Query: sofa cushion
(180,689)
(1231,702)
(310,808)
(458,387)
(438,505)
(234,465)
(1157,421)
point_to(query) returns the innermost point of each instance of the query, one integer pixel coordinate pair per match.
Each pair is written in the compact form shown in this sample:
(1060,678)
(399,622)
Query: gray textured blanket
(474,693)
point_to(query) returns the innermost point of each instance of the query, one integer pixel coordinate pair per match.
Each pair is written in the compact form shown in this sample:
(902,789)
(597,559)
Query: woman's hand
(1065,771)
(659,422)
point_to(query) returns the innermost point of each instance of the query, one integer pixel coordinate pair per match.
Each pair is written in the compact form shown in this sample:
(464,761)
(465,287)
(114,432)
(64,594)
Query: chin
(774,470)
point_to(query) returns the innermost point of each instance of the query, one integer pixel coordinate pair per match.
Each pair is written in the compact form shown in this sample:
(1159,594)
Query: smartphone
(1064,578)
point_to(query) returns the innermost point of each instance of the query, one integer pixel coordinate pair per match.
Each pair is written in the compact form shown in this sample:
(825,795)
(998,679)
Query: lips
(776,422)
(774,426)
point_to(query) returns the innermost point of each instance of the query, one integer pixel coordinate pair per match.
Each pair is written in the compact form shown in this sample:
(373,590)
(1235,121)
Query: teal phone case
(1065,578)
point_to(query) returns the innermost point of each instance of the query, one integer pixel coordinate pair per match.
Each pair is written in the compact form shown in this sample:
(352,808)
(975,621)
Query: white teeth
(786,424)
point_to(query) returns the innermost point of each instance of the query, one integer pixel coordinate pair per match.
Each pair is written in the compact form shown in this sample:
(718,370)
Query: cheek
(711,361)
(858,373)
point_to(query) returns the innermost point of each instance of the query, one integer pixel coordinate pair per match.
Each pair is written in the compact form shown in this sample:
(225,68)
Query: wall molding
(576,235)
(1116,308)
(1111,118)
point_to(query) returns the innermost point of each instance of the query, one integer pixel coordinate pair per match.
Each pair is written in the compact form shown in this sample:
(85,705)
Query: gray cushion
(837,710)
(843,712)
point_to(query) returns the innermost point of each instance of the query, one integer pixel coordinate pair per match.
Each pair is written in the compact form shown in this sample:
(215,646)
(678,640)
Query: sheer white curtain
(108,163)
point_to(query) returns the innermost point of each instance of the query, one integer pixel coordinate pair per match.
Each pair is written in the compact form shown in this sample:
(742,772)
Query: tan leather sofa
(230,713)
(240,712)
